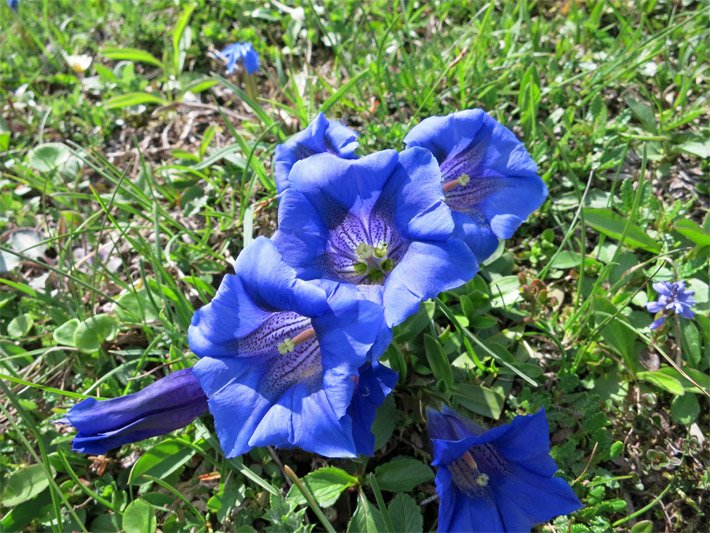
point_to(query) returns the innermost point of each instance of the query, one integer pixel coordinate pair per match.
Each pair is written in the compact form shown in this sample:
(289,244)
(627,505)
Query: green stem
(312,503)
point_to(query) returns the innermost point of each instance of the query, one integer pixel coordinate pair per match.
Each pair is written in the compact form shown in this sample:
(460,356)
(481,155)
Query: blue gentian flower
(378,223)
(321,135)
(489,179)
(13,4)
(672,298)
(163,406)
(496,480)
(375,383)
(281,357)
(242,54)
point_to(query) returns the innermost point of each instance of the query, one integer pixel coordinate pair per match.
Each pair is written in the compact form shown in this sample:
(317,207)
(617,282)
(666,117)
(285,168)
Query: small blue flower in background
(242,54)
(282,358)
(672,298)
(496,480)
(13,4)
(378,223)
(489,179)
(163,406)
(321,135)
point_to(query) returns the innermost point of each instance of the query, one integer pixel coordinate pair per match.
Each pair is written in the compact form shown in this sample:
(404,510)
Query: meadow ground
(127,186)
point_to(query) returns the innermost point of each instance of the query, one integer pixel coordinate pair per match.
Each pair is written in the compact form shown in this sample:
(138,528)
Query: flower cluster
(673,298)
(289,347)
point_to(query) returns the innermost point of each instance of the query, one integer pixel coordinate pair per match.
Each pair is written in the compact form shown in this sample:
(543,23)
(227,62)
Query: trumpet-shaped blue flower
(242,54)
(378,223)
(163,406)
(496,480)
(672,298)
(489,179)
(321,136)
(13,4)
(281,357)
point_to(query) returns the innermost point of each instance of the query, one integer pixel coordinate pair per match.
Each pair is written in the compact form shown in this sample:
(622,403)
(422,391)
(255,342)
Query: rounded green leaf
(91,333)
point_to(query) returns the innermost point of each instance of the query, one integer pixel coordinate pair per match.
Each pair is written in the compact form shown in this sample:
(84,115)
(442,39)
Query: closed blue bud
(282,359)
(321,136)
(496,480)
(163,406)
(13,4)
(378,223)
(489,179)
(241,54)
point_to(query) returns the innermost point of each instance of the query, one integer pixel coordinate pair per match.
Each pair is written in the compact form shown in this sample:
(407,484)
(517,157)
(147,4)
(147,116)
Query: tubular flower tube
(240,54)
(163,406)
(489,179)
(281,357)
(496,480)
(378,223)
(321,136)
(672,298)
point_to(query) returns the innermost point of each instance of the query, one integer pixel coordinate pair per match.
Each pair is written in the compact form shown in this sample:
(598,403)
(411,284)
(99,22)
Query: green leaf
(326,485)
(22,514)
(20,326)
(50,157)
(481,400)
(643,112)
(692,343)
(367,518)
(131,54)
(385,422)
(607,222)
(337,95)
(644,526)
(618,336)
(616,449)
(685,409)
(93,332)
(663,381)
(402,474)
(438,362)
(160,461)
(64,334)
(24,484)
(136,307)
(505,291)
(133,99)
(405,514)
(182,38)
(139,517)
(692,231)
(567,259)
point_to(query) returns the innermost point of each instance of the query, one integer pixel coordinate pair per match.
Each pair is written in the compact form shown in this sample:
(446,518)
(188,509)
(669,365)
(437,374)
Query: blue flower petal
(502,187)
(525,499)
(334,185)
(375,383)
(425,270)
(300,237)
(232,386)
(321,136)
(476,515)
(230,315)
(657,323)
(271,282)
(306,420)
(476,233)
(414,190)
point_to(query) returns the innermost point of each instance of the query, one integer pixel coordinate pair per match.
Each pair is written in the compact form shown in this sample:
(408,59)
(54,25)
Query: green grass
(163,174)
